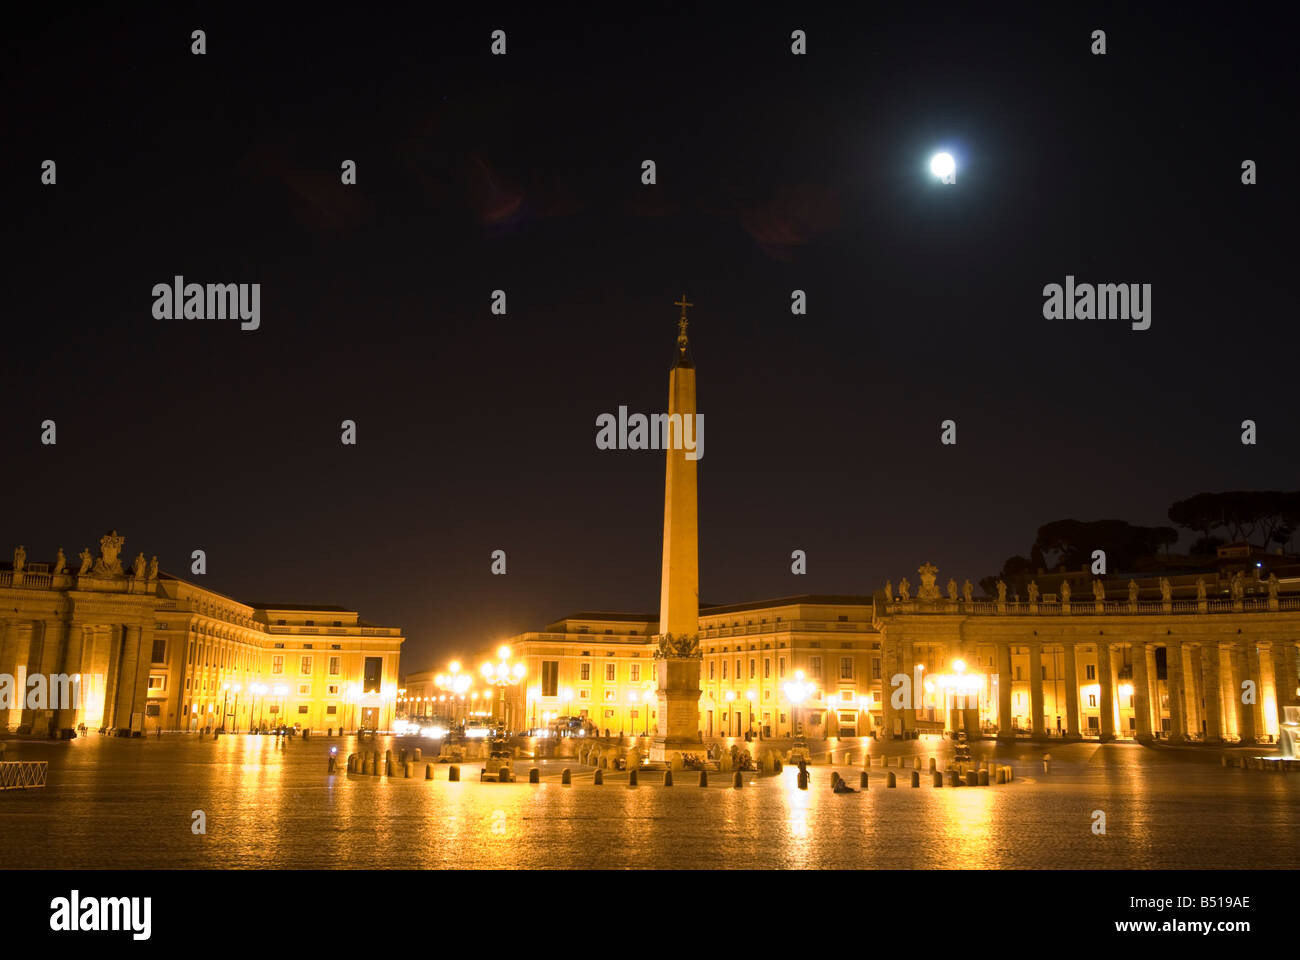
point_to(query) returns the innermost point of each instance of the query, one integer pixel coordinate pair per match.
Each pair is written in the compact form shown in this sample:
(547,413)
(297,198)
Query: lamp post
(281,690)
(731,698)
(649,687)
(797,691)
(749,713)
(225,696)
(502,675)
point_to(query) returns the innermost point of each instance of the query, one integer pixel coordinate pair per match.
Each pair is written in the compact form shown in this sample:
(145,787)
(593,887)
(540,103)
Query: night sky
(775,172)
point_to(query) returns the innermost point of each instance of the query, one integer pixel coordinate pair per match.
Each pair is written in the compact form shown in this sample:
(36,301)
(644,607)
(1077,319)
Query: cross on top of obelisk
(682,322)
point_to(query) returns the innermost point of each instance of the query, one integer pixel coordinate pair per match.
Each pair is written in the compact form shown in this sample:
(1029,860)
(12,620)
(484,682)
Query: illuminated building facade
(153,652)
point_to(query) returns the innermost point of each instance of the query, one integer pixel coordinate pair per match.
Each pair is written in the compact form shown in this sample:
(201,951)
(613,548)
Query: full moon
(942,165)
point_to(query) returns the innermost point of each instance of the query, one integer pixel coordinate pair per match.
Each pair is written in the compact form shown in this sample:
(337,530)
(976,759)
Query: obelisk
(678,658)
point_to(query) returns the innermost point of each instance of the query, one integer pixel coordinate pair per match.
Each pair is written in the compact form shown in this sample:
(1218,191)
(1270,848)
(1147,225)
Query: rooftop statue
(967,591)
(86,560)
(1033,591)
(1166,590)
(1132,591)
(60,562)
(952,589)
(108,565)
(1065,591)
(1098,590)
(1200,588)
(904,589)
(927,590)
(20,559)
(1002,591)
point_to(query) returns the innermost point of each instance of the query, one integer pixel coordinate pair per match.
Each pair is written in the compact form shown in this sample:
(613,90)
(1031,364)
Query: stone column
(1106,692)
(887,671)
(1005,732)
(73,653)
(1246,727)
(1071,691)
(13,661)
(1141,692)
(1209,656)
(908,654)
(1284,681)
(1192,680)
(1036,689)
(1177,694)
(46,656)
(1153,689)
(1256,708)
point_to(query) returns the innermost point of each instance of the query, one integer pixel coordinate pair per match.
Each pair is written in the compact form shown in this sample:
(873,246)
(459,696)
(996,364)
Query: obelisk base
(679,708)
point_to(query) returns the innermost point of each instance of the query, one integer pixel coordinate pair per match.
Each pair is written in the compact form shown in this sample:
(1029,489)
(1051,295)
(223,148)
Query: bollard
(668,778)
(453,774)
(848,758)
(1047,763)
(377,760)
(803,779)
(388,756)
(352,763)
(1011,774)
(388,768)
(953,781)
(984,778)
(368,767)
(503,773)
(428,771)
(408,769)
(933,766)
(736,780)
(1002,775)
(862,780)
(776,766)
(916,763)
(534,775)
(598,777)
(631,778)
(892,779)
(1223,759)
(333,762)
(972,778)
(401,758)
(916,778)
(417,755)
(704,778)
(938,778)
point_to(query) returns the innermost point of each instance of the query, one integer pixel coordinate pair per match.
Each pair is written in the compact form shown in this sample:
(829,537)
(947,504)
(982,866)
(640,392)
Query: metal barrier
(22,774)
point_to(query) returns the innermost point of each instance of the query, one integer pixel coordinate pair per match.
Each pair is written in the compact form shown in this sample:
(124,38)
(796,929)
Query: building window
(634,674)
(372,673)
(584,671)
(1092,671)
(875,668)
(550,678)
(157,683)
(302,708)
(815,666)
(780,666)
(310,623)
(304,689)
(611,696)
(277,663)
(724,669)
(737,668)
(306,646)
(584,694)
(1043,667)
(336,646)
(305,667)
(334,666)
(767,668)
(160,651)
(332,689)
(611,671)
(331,710)
(609,713)
(1018,677)
(282,623)
(1092,699)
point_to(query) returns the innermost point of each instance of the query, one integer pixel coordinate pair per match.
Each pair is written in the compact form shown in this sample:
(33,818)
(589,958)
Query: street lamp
(503,674)
(797,691)
(649,686)
(731,697)
(281,689)
(225,695)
